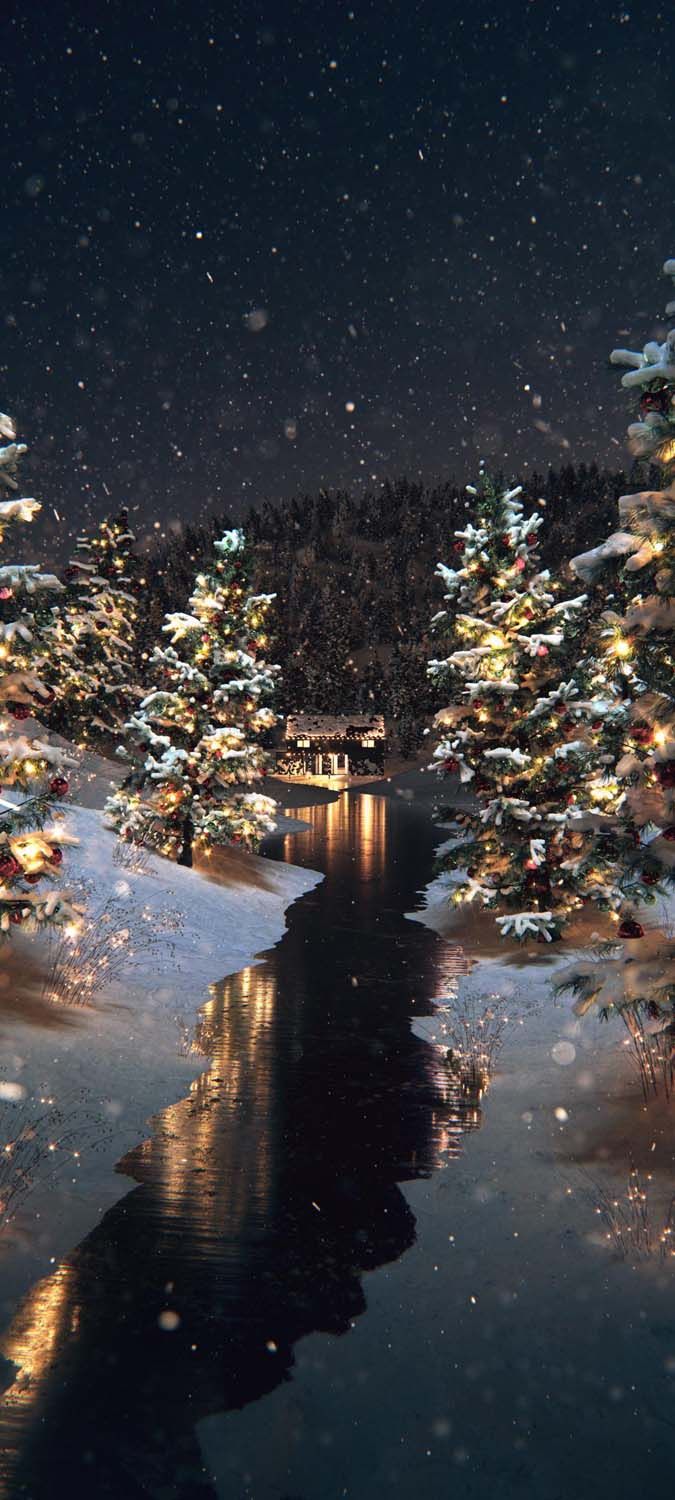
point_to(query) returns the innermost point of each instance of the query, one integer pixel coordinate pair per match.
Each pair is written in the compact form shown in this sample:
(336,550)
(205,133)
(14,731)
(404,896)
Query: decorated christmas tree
(202,727)
(513,731)
(92,637)
(31,770)
(636,660)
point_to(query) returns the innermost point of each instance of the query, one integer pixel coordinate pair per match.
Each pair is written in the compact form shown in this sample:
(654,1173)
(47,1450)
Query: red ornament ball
(16,915)
(666,773)
(451,764)
(9,866)
(531,539)
(669,834)
(629,928)
(507,541)
(542,650)
(59,786)
(649,878)
(19,710)
(5,593)
(520,564)
(655,401)
(56,856)
(33,878)
(642,734)
(458,546)
(529,614)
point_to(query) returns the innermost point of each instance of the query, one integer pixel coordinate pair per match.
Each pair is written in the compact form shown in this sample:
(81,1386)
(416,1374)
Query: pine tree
(204,723)
(511,731)
(636,661)
(31,771)
(93,635)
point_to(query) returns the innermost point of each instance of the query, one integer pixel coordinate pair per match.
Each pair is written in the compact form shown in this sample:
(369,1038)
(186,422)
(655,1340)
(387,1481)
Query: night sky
(249,251)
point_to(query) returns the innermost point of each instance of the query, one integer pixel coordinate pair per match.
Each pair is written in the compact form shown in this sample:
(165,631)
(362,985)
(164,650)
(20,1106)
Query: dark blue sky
(224,226)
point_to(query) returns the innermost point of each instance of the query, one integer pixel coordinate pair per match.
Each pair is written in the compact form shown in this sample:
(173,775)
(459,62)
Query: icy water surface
(498,1348)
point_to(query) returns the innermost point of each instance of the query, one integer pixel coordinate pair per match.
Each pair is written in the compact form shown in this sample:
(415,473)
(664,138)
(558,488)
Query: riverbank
(80,1082)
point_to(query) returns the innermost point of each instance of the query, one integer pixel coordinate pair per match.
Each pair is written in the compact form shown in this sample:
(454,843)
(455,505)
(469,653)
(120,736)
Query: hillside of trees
(355,585)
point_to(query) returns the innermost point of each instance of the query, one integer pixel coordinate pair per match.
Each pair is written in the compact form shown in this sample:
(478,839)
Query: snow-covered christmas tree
(31,770)
(511,731)
(203,724)
(636,660)
(92,636)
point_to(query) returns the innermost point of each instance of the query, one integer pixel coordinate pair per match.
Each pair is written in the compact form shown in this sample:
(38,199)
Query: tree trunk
(185,856)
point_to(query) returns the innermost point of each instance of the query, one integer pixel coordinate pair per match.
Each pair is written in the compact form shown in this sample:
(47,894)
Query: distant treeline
(355,585)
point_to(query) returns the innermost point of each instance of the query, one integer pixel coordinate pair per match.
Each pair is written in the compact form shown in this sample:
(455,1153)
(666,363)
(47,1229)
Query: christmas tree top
(651,374)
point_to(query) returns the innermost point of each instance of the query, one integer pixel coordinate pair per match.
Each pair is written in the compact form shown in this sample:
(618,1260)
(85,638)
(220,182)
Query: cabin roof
(334,726)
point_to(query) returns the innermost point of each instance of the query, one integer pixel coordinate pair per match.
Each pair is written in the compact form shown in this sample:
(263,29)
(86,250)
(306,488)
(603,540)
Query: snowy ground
(110,1066)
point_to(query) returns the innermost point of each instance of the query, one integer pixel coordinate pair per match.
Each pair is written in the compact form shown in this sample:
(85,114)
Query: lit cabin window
(303,744)
(368,744)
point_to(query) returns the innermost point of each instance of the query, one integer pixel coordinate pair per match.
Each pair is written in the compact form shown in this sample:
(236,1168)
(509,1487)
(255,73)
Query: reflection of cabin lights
(368,744)
(303,744)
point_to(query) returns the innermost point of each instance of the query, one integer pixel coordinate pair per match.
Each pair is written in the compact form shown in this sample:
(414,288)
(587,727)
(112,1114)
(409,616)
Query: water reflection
(354,824)
(48,1316)
(264,1195)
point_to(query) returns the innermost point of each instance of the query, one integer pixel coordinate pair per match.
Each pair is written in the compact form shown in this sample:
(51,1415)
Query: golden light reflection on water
(356,823)
(47,1316)
(458,1111)
(212,1152)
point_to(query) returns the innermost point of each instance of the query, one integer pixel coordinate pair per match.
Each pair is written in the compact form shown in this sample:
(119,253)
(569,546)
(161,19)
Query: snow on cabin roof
(334,726)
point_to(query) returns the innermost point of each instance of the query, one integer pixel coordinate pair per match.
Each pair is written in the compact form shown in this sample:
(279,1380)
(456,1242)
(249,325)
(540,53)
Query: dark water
(263,1197)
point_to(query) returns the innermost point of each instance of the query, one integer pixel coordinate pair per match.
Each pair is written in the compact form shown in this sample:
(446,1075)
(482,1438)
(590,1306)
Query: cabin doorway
(332,763)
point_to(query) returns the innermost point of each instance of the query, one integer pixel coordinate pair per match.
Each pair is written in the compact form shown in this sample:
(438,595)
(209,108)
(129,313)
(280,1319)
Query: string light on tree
(31,770)
(92,636)
(636,654)
(513,731)
(203,726)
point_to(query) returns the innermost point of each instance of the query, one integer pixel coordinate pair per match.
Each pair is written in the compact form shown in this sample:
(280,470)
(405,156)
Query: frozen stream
(190,1347)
